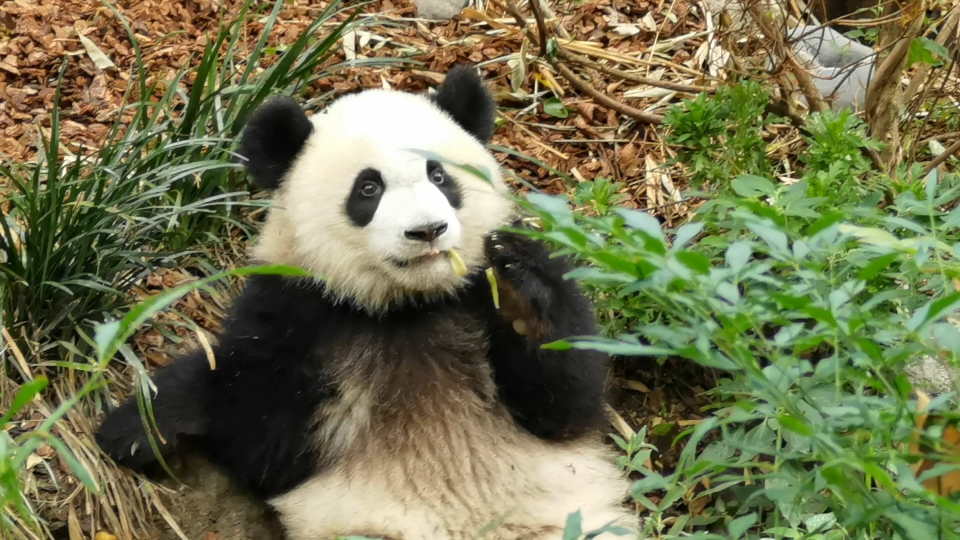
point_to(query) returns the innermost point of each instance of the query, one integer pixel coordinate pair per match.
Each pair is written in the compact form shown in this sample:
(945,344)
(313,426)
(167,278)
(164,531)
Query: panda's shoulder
(269,300)
(275,315)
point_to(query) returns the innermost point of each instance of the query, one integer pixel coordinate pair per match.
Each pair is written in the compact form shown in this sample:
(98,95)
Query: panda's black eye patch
(445,183)
(365,197)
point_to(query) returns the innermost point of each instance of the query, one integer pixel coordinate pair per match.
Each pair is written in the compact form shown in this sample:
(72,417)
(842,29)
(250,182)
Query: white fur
(455,468)
(308,225)
(536,487)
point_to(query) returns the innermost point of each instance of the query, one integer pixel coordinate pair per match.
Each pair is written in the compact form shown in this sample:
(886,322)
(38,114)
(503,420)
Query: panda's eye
(369,189)
(437,177)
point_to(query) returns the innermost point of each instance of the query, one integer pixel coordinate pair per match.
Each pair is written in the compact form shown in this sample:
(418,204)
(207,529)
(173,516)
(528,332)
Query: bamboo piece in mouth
(459,267)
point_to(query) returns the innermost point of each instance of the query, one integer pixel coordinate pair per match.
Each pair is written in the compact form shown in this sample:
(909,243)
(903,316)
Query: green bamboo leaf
(76,467)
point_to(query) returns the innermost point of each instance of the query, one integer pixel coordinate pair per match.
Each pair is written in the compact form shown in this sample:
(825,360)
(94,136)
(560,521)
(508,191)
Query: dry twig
(607,101)
(951,150)
(921,75)
(814,98)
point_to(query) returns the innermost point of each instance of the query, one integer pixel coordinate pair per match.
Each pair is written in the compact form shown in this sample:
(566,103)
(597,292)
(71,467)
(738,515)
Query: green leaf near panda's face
(479,171)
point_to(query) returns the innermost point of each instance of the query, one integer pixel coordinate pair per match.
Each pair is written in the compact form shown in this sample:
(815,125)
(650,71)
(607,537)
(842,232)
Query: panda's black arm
(552,394)
(178,408)
(253,414)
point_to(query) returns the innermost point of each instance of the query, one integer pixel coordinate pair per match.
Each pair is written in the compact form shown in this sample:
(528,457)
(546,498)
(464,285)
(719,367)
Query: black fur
(360,207)
(553,394)
(272,138)
(253,414)
(468,101)
(449,186)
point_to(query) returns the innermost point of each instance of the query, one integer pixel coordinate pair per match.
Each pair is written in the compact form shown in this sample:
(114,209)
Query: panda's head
(355,206)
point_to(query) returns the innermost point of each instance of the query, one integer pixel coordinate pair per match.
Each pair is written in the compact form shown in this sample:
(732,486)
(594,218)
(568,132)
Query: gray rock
(842,68)
(931,375)
(440,9)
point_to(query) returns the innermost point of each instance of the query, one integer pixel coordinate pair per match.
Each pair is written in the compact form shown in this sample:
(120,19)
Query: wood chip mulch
(591,141)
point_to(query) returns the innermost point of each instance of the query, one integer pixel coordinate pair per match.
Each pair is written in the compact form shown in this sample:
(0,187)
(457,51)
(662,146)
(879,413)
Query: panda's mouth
(429,256)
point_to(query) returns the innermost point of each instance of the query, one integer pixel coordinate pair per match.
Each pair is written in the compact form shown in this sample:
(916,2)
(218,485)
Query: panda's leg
(178,408)
(553,394)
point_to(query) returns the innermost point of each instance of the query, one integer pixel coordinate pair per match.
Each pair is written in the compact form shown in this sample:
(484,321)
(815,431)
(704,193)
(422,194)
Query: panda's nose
(427,233)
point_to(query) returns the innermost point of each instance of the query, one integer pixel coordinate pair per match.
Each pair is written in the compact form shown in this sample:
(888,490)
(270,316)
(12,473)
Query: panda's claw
(509,254)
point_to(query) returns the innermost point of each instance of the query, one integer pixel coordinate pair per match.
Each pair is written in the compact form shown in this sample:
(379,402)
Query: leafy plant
(812,308)
(836,166)
(720,137)
(812,300)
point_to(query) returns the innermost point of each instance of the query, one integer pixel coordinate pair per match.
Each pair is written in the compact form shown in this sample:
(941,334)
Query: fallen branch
(948,135)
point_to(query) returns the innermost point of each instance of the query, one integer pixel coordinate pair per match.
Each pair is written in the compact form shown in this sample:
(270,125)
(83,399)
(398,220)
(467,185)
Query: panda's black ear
(464,97)
(274,135)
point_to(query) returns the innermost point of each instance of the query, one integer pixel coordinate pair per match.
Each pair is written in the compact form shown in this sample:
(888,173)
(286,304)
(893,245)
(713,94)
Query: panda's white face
(373,218)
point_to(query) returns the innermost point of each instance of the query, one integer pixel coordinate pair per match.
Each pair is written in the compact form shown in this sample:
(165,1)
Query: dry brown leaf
(100,58)
(620,424)
(634,385)
(948,483)
(698,505)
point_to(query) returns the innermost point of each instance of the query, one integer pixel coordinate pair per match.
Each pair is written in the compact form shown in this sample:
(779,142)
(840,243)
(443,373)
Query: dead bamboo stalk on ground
(884,95)
(606,101)
(570,76)
(632,77)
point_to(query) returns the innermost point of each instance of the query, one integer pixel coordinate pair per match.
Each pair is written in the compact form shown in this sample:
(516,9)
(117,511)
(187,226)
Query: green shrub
(811,300)
(836,166)
(720,136)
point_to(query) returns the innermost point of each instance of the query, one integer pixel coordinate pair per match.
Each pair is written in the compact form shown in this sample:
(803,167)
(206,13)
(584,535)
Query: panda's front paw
(122,437)
(526,288)
(513,256)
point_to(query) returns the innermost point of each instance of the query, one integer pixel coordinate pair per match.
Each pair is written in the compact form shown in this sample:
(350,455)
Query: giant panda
(387,395)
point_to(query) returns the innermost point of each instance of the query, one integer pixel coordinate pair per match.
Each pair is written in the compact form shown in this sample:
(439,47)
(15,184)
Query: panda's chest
(398,378)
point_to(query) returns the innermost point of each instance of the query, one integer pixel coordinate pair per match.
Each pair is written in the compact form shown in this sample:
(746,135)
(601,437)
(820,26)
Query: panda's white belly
(457,478)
